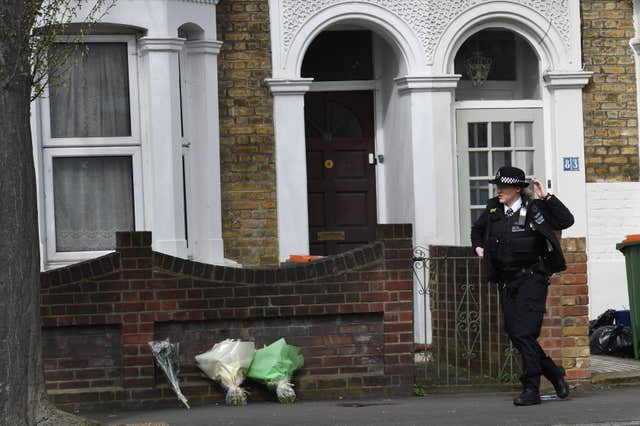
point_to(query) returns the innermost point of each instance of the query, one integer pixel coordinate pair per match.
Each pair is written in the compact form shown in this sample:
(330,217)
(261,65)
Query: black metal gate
(465,340)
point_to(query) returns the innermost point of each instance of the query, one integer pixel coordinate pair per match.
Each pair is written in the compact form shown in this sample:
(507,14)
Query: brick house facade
(220,163)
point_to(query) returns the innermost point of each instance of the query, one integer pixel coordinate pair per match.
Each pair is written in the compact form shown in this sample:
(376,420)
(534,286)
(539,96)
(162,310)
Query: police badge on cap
(508,175)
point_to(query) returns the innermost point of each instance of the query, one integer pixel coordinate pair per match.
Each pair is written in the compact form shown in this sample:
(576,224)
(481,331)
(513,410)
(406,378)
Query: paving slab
(610,364)
(617,406)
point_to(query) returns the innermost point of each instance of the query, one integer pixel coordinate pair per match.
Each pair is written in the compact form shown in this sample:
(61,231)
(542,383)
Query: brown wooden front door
(340,178)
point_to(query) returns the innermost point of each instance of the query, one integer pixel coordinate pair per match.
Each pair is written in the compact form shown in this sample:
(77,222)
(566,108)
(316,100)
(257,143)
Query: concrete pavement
(616,407)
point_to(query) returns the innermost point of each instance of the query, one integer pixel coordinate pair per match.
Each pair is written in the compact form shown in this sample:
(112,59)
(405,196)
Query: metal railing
(465,340)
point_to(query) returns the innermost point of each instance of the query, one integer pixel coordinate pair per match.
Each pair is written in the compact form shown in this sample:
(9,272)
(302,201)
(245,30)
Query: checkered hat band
(511,181)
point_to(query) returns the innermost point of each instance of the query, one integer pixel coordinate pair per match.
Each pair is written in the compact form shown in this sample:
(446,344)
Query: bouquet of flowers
(227,362)
(274,365)
(166,354)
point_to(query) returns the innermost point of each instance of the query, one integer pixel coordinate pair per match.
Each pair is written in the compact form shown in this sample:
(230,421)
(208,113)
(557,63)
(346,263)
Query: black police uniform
(520,254)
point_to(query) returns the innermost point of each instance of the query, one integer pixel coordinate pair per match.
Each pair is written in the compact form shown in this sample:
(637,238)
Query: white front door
(488,139)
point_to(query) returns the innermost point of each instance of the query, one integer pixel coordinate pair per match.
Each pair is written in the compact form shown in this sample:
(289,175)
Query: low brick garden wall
(351,315)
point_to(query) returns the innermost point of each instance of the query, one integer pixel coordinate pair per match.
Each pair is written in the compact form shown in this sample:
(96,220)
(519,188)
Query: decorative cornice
(147,44)
(298,86)
(430,83)
(567,79)
(211,47)
(428,18)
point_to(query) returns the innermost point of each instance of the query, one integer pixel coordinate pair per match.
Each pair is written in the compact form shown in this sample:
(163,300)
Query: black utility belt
(514,274)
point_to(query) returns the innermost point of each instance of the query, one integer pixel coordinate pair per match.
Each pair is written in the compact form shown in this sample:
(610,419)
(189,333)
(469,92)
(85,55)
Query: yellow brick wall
(610,114)
(246,133)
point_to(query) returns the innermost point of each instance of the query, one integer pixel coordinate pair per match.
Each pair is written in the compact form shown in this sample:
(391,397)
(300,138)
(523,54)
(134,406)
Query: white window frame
(54,256)
(90,147)
(134,108)
(529,107)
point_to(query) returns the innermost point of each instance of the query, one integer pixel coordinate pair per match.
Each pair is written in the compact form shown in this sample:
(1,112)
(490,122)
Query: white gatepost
(206,211)
(432,142)
(567,141)
(162,149)
(291,165)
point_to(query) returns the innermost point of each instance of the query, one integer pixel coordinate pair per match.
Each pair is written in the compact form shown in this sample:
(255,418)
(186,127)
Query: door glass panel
(500,134)
(500,158)
(314,120)
(478,163)
(495,138)
(524,160)
(477,135)
(344,123)
(523,134)
(479,192)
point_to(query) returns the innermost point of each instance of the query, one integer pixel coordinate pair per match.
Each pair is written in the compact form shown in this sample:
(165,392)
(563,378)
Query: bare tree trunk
(23,398)
(21,376)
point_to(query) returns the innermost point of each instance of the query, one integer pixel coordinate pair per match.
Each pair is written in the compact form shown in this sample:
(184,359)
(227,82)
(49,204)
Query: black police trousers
(522,301)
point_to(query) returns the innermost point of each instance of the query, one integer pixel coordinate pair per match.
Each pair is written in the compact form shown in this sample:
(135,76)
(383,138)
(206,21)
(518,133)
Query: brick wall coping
(330,265)
(137,244)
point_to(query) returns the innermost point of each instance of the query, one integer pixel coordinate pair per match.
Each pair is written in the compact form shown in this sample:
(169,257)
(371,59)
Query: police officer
(516,237)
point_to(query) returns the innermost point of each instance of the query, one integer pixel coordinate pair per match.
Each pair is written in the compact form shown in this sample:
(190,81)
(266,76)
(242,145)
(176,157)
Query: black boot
(560,384)
(529,396)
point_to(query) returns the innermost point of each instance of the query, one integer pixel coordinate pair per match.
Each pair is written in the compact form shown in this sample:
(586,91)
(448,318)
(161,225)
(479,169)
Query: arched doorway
(339,139)
(499,116)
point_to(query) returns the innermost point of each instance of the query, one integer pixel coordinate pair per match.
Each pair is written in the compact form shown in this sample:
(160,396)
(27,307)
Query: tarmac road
(615,407)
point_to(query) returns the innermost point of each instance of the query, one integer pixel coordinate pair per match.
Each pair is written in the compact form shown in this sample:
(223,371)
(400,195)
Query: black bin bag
(613,340)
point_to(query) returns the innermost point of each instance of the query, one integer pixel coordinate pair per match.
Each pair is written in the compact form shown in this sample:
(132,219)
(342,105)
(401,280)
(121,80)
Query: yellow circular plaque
(328,164)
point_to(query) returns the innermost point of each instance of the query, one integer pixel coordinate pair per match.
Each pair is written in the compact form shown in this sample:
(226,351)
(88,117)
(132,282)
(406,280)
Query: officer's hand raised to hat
(538,187)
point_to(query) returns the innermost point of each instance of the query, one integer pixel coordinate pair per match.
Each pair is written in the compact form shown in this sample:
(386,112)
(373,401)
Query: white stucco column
(291,165)
(432,137)
(432,143)
(204,137)
(567,140)
(162,150)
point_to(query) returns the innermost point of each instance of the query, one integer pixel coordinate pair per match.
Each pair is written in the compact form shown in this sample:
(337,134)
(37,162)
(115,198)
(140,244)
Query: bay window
(90,147)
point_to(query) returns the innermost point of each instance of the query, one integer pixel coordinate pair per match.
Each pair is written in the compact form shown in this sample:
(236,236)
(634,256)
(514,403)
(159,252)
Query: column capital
(293,86)
(148,44)
(567,79)
(207,47)
(427,83)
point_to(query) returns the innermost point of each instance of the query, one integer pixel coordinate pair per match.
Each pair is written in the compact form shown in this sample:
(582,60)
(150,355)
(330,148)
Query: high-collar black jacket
(545,217)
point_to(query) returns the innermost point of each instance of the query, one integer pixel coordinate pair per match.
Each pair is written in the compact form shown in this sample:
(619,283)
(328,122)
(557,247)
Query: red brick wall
(351,315)
(82,357)
(566,328)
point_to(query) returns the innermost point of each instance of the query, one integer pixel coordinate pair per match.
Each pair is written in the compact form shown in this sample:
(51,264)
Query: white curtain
(93,198)
(89,92)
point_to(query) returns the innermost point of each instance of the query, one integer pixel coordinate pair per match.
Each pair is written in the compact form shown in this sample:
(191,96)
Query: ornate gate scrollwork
(465,340)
